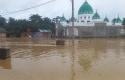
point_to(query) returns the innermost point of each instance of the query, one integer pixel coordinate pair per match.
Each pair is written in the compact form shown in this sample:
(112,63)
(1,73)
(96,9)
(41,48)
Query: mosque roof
(96,16)
(106,19)
(71,19)
(63,19)
(119,20)
(85,8)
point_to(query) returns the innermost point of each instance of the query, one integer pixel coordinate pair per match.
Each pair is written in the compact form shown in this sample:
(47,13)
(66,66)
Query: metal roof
(42,30)
(2,30)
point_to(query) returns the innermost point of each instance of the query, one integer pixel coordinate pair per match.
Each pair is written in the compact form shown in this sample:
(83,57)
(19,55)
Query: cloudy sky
(111,8)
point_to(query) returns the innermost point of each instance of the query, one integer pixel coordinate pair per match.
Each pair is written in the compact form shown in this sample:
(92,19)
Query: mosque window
(89,17)
(88,21)
(82,21)
(84,17)
(81,17)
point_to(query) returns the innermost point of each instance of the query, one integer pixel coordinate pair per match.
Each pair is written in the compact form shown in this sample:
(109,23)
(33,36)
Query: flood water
(88,59)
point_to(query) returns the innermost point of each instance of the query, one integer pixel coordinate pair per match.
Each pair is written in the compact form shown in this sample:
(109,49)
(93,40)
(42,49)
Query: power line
(8,13)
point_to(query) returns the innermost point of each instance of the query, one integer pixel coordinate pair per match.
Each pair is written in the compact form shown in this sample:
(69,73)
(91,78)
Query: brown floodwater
(88,59)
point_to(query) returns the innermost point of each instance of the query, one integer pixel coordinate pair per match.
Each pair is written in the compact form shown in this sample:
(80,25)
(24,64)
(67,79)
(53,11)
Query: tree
(15,27)
(2,21)
(35,18)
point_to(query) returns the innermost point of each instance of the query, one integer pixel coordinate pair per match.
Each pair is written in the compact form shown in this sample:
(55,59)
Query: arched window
(88,21)
(82,21)
(88,17)
(84,17)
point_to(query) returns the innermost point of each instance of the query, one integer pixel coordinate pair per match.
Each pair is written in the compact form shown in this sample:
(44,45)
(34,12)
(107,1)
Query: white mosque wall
(89,24)
(81,24)
(85,18)
(98,20)
(98,30)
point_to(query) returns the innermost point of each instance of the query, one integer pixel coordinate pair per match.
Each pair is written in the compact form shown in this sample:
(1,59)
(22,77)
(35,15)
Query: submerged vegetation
(15,27)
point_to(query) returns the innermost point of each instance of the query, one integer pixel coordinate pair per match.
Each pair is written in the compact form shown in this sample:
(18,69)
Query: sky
(111,8)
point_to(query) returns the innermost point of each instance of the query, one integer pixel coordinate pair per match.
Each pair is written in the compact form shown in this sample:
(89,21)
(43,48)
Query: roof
(63,19)
(2,30)
(85,9)
(96,16)
(72,19)
(119,20)
(42,30)
(106,19)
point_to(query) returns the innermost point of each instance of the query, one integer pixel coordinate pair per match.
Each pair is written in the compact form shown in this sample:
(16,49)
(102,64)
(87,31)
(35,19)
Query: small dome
(96,16)
(114,20)
(106,19)
(85,9)
(63,19)
(71,19)
(119,20)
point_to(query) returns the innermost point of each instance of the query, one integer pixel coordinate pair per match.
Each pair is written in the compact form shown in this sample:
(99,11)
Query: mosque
(89,24)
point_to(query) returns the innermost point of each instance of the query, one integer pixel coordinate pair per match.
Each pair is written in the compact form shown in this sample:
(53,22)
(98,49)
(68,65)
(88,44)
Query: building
(89,24)
(40,33)
(2,32)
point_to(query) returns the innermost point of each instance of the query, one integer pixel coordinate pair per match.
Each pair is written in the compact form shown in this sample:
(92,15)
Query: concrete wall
(98,30)
(113,31)
(86,31)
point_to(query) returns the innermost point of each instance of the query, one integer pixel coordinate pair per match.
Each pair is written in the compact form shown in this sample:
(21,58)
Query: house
(45,33)
(39,33)
(2,33)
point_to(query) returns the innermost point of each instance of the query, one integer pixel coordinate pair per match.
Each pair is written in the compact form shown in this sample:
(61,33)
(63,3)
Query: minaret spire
(85,0)
(63,14)
(106,15)
(96,10)
(118,15)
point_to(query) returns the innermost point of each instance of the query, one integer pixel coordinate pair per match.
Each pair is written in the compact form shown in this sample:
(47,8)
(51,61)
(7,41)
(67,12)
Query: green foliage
(16,27)
(2,21)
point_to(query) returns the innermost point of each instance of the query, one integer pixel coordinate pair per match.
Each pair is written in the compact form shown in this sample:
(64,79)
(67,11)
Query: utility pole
(72,21)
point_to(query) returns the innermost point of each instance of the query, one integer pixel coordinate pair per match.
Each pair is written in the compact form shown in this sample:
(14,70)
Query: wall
(98,30)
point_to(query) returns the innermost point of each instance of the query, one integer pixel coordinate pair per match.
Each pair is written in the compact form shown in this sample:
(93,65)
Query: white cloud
(110,8)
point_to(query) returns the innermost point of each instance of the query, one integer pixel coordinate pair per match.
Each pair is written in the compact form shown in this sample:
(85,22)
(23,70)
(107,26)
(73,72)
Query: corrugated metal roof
(2,30)
(41,30)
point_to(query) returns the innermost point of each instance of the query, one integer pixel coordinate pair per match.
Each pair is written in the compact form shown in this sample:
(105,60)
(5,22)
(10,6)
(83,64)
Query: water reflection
(89,59)
(73,63)
(5,64)
(92,50)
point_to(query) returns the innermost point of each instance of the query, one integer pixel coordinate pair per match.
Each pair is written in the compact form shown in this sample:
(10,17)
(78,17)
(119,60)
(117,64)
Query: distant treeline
(15,27)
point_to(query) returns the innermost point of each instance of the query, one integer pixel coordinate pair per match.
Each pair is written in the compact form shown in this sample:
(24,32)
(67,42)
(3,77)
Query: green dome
(106,19)
(85,9)
(118,20)
(96,16)
(63,19)
(114,20)
(71,19)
